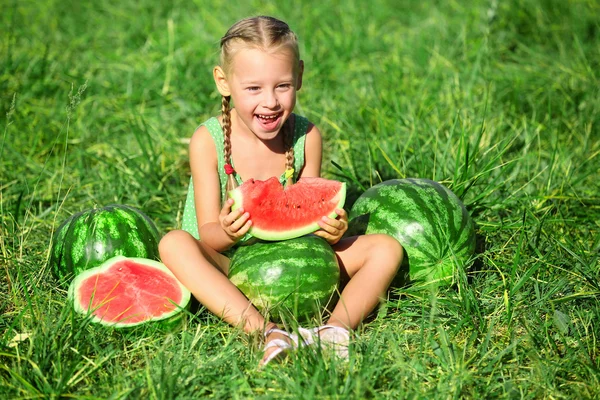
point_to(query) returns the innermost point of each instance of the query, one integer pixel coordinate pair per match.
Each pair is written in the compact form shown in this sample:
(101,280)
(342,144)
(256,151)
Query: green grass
(499,100)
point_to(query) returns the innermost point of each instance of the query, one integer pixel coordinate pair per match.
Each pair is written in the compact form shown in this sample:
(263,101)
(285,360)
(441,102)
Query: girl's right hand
(235,223)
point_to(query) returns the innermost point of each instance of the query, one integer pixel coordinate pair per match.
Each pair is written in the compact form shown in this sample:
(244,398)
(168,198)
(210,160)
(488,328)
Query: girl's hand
(332,230)
(235,223)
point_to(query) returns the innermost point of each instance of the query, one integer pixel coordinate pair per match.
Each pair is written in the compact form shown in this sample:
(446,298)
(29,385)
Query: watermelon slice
(126,292)
(279,213)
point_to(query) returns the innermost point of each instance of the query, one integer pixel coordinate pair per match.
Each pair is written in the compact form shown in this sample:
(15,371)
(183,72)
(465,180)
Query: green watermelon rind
(304,253)
(451,243)
(264,234)
(78,243)
(167,320)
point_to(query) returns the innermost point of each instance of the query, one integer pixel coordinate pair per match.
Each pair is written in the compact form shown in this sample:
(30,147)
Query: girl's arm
(332,229)
(207,190)
(312,153)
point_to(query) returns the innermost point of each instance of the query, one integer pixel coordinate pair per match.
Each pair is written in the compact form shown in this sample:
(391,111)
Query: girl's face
(263,88)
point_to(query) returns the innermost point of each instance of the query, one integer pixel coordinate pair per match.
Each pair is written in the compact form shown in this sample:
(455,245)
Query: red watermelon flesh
(279,213)
(126,292)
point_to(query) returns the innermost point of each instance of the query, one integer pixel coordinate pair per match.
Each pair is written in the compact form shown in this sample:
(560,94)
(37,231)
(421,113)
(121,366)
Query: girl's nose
(271,100)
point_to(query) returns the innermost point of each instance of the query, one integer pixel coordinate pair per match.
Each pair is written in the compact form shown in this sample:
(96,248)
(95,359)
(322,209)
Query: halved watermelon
(125,292)
(279,213)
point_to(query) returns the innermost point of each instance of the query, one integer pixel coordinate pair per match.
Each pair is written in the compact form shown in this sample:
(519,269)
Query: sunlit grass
(497,100)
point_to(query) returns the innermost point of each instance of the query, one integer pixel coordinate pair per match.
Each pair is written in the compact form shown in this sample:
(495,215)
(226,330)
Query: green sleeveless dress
(190,223)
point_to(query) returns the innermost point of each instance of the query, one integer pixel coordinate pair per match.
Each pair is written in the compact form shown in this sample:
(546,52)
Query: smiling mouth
(268,118)
(269,122)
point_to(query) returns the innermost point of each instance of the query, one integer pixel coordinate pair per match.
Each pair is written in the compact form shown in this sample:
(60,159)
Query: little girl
(260,72)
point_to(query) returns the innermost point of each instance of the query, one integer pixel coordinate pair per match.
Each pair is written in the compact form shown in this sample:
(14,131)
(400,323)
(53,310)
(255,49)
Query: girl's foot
(334,338)
(278,344)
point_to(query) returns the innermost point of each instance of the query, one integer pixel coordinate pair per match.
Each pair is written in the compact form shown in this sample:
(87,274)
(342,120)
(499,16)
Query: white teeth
(268,116)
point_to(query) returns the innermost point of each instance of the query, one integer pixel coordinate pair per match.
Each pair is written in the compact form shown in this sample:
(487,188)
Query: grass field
(499,100)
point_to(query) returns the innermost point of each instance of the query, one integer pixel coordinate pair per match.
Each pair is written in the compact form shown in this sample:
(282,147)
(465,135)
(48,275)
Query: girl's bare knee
(390,248)
(171,243)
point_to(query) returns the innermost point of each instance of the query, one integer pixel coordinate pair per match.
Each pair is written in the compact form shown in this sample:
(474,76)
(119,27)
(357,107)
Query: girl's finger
(245,228)
(239,223)
(321,234)
(338,224)
(226,207)
(234,215)
(329,238)
(330,229)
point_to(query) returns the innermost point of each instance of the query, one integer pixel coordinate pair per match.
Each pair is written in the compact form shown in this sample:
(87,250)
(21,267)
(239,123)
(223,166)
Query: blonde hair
(264,33)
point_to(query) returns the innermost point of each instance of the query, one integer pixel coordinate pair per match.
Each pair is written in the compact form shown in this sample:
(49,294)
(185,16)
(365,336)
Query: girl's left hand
(332,230)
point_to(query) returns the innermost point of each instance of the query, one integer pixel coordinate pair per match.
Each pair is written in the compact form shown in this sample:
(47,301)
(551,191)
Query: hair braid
(226,116)
(288,142)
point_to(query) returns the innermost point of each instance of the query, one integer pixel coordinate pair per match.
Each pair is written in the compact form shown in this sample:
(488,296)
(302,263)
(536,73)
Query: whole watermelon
(431,223)
(89,238)
(292,278)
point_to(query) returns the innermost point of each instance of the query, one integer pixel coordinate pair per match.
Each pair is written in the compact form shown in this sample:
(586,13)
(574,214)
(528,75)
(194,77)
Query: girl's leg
(204,272)
(371,262)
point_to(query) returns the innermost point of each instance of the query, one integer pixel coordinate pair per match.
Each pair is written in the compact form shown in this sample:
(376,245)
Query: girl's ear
(221,81)
(300,72)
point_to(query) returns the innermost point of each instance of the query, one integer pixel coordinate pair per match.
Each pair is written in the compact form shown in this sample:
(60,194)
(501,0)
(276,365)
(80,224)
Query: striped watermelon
(89,238)
(295,277)
(431,223)
(126,292)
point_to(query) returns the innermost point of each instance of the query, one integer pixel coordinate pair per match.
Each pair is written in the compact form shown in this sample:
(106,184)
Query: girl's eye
(285,85)
(252,88)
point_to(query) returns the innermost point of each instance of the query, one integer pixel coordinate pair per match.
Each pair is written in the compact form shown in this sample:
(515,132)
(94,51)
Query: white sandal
(282,346)
(333,337)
